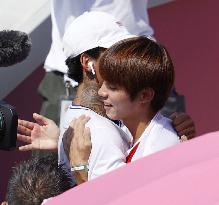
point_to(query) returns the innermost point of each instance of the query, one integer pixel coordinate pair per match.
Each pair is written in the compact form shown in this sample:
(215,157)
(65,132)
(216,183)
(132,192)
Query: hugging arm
(108,148)
(184,125)
(77,146)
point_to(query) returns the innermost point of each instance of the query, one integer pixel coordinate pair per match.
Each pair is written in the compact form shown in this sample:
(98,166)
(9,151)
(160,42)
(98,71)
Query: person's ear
(84,59)
(146,95)
(87,63)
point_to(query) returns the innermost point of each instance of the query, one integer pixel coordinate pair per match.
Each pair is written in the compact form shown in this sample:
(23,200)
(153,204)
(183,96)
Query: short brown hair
(138,63)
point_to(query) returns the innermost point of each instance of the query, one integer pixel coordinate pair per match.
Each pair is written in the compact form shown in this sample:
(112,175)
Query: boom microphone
(14,47)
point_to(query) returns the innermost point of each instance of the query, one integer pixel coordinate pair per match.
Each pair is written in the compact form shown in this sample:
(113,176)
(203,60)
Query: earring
(91,67)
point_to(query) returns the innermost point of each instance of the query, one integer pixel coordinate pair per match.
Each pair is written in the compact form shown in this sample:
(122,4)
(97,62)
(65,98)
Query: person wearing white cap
(132,13)
(101,31)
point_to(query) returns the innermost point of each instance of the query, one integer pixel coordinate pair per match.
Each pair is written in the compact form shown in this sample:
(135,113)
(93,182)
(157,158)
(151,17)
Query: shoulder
(102,129)
(163,132)
(105,131)
(165,123)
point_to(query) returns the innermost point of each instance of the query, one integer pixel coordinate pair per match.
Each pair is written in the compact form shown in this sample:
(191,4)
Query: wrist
(80,167)
(77,162)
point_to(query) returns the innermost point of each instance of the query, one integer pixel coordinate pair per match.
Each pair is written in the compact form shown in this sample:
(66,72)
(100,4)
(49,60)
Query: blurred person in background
(34,180)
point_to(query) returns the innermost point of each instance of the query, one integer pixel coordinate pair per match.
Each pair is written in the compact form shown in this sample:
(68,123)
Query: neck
(87,96)
(138,124)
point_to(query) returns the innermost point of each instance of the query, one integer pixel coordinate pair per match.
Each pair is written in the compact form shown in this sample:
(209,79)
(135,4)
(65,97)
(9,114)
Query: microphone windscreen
(14,47)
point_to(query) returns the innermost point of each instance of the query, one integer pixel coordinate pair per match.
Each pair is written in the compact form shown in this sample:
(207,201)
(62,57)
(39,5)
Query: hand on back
(184,125)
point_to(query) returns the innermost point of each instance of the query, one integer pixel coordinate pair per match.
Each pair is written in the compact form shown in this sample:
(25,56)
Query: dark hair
(37,179)
(75,71)
(138,63)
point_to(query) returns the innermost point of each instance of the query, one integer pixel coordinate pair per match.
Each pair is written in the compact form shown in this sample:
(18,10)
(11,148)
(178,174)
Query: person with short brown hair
(137,75)
(139,63)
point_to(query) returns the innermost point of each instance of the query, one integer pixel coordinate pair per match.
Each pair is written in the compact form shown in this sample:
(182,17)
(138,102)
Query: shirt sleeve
(108,151)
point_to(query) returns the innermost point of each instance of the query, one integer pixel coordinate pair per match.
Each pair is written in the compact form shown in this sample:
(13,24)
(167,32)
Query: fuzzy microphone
(14,47)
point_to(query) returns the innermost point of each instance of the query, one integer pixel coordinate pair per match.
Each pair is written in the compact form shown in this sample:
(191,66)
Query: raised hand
(41,135)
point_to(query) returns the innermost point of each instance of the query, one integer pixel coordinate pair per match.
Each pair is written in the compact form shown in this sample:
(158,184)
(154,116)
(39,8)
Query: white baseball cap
(90,30)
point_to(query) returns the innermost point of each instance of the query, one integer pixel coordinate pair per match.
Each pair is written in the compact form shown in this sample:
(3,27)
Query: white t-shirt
(158,135)
(132,13)
(109,142)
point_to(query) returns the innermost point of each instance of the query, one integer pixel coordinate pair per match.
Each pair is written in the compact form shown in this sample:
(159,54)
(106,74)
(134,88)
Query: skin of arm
(77,146)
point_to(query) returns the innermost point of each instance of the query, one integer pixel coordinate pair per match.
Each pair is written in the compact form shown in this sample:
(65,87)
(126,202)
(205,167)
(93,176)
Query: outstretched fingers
(23,138)
(26,123)
(23,130)
(25,127)
(41,120)
(28,147)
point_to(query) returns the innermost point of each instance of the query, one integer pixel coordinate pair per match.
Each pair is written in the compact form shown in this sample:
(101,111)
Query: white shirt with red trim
(110,145)
(109,142)
(158,135)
